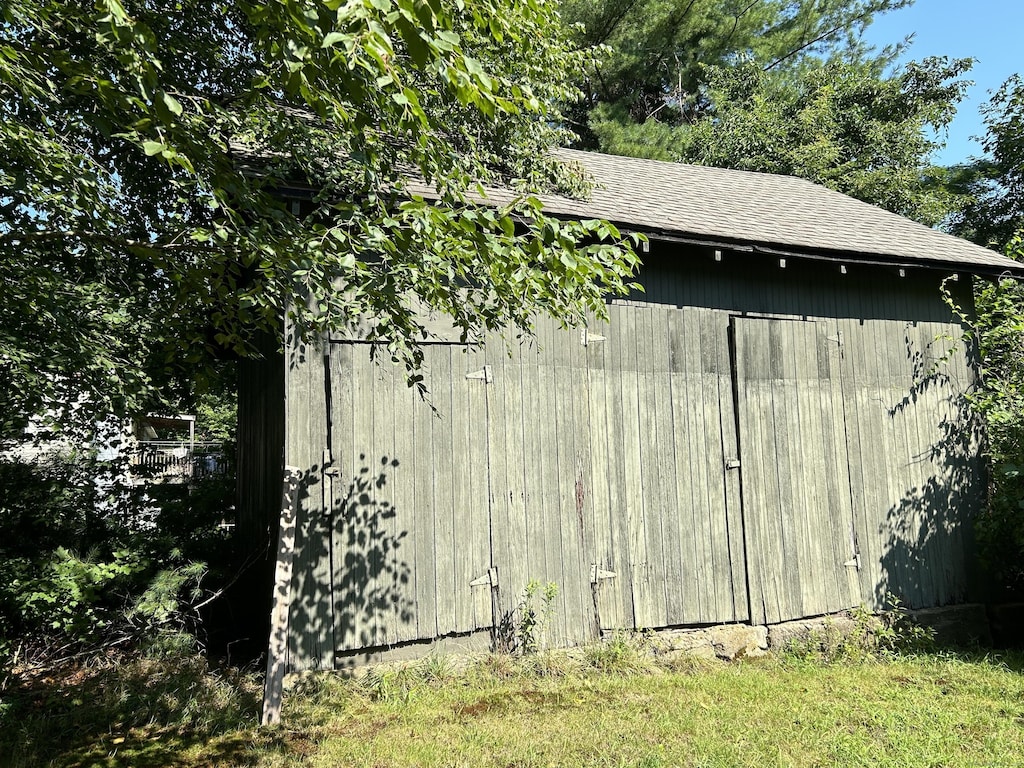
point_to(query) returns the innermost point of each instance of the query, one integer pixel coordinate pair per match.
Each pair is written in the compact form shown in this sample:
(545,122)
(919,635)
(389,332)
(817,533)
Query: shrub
(86,563)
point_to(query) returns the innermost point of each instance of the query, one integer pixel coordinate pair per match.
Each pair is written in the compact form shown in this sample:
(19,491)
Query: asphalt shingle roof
(762,210)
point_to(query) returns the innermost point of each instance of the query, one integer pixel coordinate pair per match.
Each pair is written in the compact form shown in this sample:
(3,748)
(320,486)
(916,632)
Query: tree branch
(612,23)
(818,39)
(736,21)
(15,238)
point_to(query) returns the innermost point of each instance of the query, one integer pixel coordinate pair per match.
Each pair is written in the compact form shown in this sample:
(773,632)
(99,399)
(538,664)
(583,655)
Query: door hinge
(484,374)
(853,562)
(838,338)
(328,465)
(597,574)
(732,463)
(489,579)
(587,338)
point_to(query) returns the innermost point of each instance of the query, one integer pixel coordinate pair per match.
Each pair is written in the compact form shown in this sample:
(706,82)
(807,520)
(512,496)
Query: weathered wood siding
(259,464)
(892,369)
(796,485)
(739,443)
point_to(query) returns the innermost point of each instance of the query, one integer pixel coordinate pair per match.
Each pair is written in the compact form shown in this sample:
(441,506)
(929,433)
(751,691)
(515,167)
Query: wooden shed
(774,429)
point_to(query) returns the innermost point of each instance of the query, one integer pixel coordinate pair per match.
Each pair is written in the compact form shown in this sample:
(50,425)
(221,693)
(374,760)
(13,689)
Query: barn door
(410,549)
(666,546)
(796,478)
(541,479)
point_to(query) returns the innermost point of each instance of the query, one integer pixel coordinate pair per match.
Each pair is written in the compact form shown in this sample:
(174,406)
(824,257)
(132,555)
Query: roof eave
(995,271)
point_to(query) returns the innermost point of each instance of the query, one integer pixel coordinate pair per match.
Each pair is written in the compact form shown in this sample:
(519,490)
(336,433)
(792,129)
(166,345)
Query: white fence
(172,461)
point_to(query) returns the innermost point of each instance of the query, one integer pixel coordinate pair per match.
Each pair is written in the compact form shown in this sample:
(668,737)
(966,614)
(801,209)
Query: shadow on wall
(372,582)
(927,556)
(351,587)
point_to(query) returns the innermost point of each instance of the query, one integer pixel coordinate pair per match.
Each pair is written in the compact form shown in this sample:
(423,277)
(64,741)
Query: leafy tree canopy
(994,183)
(784,86)
(841,125)
(660,49)
(145,147)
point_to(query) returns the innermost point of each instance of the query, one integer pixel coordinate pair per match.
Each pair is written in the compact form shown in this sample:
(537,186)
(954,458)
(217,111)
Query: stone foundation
(954,626)
(802,631)
(726,641)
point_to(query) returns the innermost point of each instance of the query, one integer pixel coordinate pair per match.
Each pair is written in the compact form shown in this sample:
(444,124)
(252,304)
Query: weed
(400,682)
(553,664)
(846,639)
(622,653)
(523,631)
(535,613)
(863,636)
(499,666)
(898,633)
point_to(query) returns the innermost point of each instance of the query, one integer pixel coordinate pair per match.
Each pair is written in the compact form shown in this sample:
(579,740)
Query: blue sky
(991,31)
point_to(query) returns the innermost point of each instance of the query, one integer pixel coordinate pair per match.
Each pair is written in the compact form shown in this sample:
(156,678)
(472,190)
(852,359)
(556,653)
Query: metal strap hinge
(328,465)
(838,338)
(587,338)
(484,374)
(489,579)
(597,573)
(853,562)
(732,463)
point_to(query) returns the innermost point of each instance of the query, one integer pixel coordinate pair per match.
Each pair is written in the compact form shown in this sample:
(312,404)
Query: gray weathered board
(674,466)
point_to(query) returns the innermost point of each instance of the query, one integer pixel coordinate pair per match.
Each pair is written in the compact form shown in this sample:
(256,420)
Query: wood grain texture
(841,408)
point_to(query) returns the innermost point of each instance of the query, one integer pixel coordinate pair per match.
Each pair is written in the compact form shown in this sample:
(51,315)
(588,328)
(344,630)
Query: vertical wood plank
(731,449)
(570,507)
(401,481)
(643,614)
(520,545)
(383,524)
(534,457)
(669,512)
(621,361)
(859,450)
(714,465)
(686,454)
(497,462)
(654,572)
(463,517)
(621,556)
(472,556)
(583,486)
(343,449)
(552,479)
(833,467)
(425,557)
(750,350)
(443,465)
(311,622)
(478,513)
(601,553)
(697,465)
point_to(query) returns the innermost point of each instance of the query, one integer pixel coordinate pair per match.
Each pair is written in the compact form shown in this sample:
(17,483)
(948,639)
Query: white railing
(164,461)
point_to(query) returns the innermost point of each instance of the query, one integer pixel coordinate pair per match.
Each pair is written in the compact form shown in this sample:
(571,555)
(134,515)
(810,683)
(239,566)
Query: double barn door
(671,467)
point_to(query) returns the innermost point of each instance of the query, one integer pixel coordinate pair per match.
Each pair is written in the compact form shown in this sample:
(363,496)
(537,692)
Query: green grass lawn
(552,710)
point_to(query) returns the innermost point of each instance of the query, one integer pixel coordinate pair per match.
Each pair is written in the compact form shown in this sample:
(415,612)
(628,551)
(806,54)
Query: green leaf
(333,38)
(172,103)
